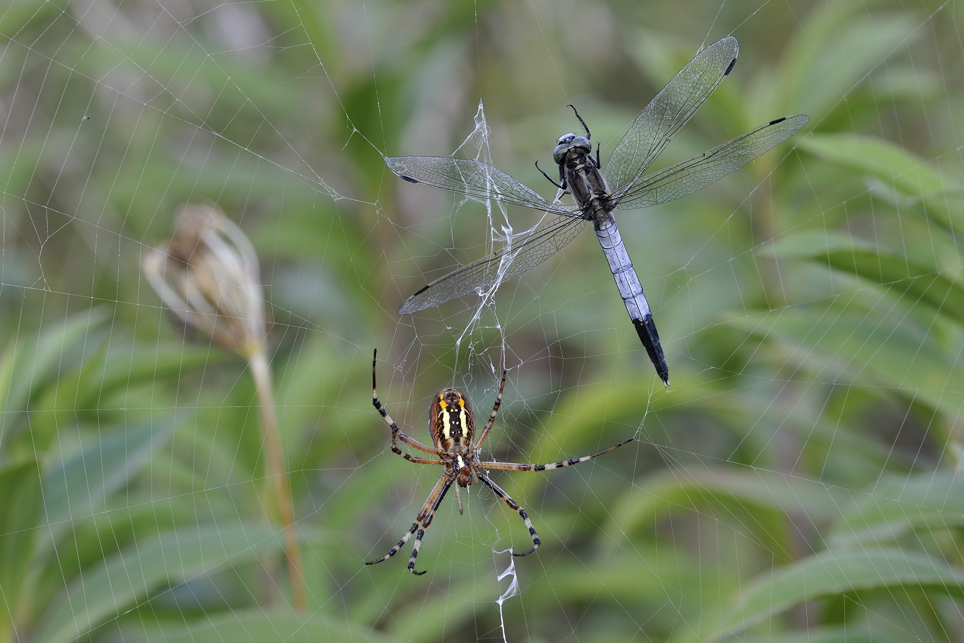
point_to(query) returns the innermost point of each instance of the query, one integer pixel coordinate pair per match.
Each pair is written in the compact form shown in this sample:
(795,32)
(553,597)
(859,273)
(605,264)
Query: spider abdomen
(451,421)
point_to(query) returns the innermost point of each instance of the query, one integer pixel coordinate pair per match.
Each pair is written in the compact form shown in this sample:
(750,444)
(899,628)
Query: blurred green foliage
(799,479)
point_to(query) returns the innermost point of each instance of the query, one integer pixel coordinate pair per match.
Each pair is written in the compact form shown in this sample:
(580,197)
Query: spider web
(799,480)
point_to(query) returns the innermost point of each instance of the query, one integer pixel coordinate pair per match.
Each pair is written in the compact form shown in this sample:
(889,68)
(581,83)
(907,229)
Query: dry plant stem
(207,275)
(278,477)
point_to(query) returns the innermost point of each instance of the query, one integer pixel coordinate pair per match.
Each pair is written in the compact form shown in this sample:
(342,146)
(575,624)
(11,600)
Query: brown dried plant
(208,276)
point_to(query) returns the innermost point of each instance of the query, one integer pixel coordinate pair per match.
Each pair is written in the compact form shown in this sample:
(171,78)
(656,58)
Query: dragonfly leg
(561,186)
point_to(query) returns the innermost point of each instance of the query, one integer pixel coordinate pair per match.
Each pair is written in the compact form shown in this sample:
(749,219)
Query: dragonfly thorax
(568,142)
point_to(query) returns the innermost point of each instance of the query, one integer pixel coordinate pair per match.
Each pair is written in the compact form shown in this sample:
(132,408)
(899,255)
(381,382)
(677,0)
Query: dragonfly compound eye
(559,154)
(581,142)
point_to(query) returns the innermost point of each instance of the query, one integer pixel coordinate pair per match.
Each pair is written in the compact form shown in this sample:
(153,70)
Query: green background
(797,482)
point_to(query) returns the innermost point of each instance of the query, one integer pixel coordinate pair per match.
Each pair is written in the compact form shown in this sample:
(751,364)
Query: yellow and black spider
(453,426)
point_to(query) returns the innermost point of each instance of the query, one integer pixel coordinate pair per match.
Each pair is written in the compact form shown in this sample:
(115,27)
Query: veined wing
(536,247)
(668,112)
(695,173)
(473,178)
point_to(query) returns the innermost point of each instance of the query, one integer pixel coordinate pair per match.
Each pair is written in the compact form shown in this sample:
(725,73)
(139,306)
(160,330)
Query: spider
(452,425)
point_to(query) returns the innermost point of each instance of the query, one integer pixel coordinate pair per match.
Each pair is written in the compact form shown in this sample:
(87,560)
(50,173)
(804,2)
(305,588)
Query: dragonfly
(597,192)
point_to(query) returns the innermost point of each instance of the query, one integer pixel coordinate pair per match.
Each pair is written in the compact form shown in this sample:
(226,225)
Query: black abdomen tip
(646,329)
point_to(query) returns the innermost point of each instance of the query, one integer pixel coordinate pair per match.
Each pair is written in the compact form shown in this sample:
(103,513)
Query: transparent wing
(473,178)
(536,247)
(692,174)
(668,112)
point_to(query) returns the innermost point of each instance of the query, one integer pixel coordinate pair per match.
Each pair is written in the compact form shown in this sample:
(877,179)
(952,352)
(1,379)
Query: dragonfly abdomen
(631,291)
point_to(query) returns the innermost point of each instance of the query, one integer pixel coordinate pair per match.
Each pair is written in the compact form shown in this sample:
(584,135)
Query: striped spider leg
(452,426)
(516,466)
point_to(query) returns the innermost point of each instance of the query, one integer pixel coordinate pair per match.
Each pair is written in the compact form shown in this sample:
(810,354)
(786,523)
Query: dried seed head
(208,276)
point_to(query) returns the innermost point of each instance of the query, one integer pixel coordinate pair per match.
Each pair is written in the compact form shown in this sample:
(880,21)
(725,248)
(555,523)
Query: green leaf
(898,504)
(132,576)
(912,177)
(831,573)
(77,486)
(257,625)
(867,336)
(749,490)
(19,509)
(117,371)
(926,284)
(848,633)
(831,57)
(29,366)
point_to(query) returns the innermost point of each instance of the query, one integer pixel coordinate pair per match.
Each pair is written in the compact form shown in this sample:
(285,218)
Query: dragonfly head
(568,142)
